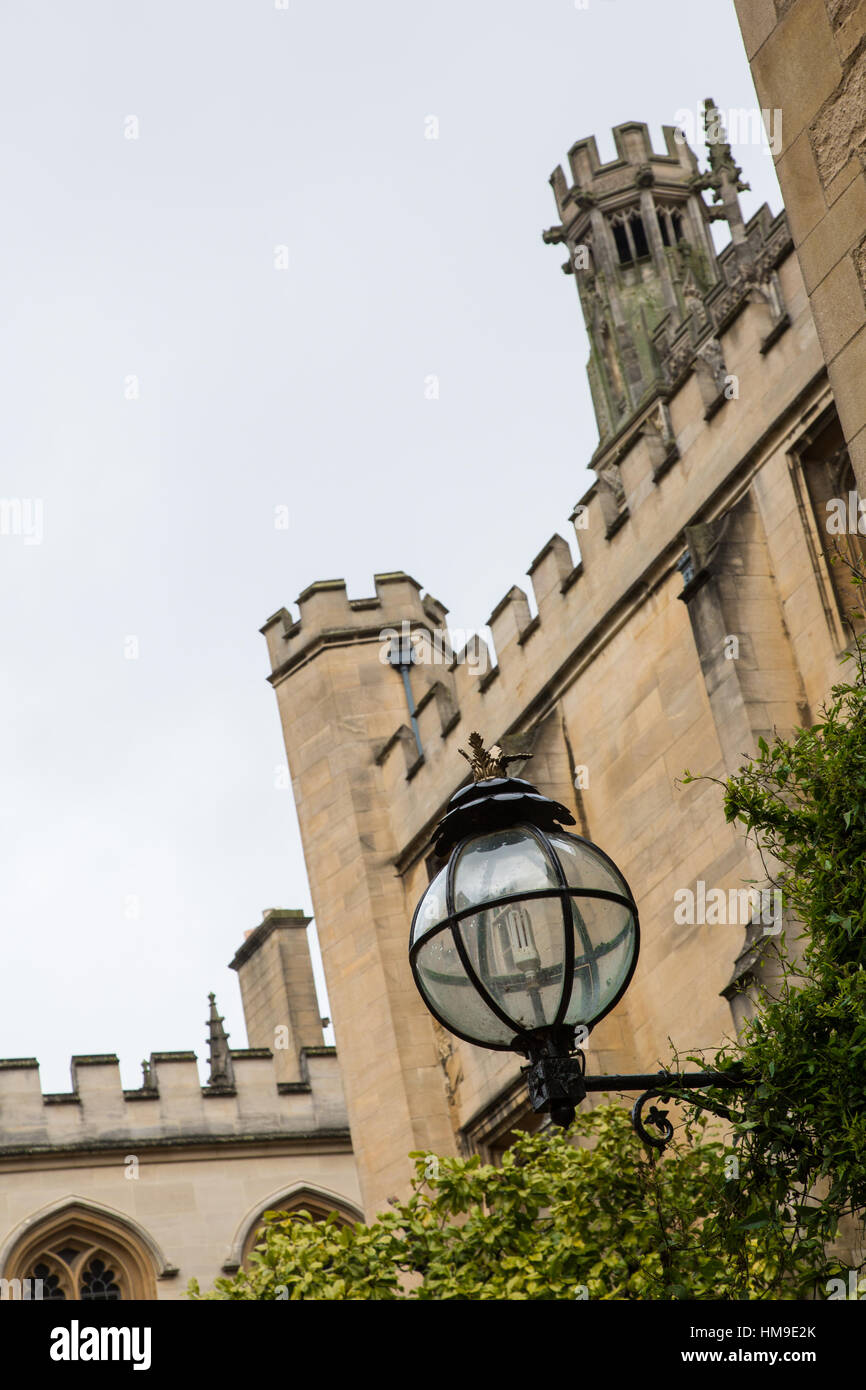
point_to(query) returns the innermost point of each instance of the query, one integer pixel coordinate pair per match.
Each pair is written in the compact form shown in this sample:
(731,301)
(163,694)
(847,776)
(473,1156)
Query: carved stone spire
(219,1052)
(725,178)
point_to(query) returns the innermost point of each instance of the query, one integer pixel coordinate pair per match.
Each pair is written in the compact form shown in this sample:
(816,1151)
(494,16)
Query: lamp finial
(488,763)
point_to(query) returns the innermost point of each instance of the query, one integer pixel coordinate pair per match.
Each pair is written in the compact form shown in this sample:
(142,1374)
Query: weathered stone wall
(808,60)
(189,1208)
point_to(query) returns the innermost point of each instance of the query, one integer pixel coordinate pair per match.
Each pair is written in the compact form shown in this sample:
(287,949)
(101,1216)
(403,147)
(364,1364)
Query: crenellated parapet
(327,617)
(610,184)
(286,1084)
(171,1107)
(694,344)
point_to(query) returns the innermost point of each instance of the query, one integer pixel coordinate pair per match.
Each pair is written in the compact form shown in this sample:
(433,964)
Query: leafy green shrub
(801,1139)
(603,1219)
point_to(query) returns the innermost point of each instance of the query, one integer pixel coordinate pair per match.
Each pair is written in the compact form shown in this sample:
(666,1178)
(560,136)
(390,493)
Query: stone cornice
(177,1146)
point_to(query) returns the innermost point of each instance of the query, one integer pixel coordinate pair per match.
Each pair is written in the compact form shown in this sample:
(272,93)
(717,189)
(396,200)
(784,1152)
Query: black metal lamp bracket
(559,1083)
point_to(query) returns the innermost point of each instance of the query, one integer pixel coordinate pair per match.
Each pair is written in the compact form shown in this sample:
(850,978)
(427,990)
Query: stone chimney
(278,990)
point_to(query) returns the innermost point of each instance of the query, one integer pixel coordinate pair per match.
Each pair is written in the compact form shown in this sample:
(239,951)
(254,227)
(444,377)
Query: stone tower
(343,706)
(700,612)
(639,248)
(637,231)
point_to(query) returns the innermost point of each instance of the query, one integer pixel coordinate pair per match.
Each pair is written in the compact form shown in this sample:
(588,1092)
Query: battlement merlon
(172,1106)
(329,616)
(447,679)
(636,161)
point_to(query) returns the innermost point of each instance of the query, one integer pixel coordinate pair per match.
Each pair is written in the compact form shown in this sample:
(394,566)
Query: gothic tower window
(670,226)
(630,238)
(623,249)
(638,236)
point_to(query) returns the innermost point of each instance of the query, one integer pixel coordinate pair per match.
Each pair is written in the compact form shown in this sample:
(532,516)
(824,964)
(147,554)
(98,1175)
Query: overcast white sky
(143,832)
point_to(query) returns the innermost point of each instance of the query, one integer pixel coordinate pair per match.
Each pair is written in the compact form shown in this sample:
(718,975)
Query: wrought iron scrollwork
(658,1117)
(687,1087)
(654,1116)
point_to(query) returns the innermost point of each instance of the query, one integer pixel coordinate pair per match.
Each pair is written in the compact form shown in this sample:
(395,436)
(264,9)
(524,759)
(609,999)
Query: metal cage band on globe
(527,1039)
(510,964)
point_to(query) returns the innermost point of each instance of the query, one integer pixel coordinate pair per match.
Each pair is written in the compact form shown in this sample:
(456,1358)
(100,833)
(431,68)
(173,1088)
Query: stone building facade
(694,609)
(808,60)
(128,1194)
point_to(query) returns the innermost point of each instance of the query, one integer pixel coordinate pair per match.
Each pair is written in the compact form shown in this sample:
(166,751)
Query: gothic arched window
(83,1256)
(839,517)
(623,248)
(317,1205)
(638,236)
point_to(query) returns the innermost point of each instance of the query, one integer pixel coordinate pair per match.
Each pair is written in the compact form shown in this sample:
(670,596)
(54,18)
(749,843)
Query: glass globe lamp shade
(524,932)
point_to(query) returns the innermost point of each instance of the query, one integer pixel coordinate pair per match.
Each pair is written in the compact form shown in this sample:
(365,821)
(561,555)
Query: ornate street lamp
(527,937)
